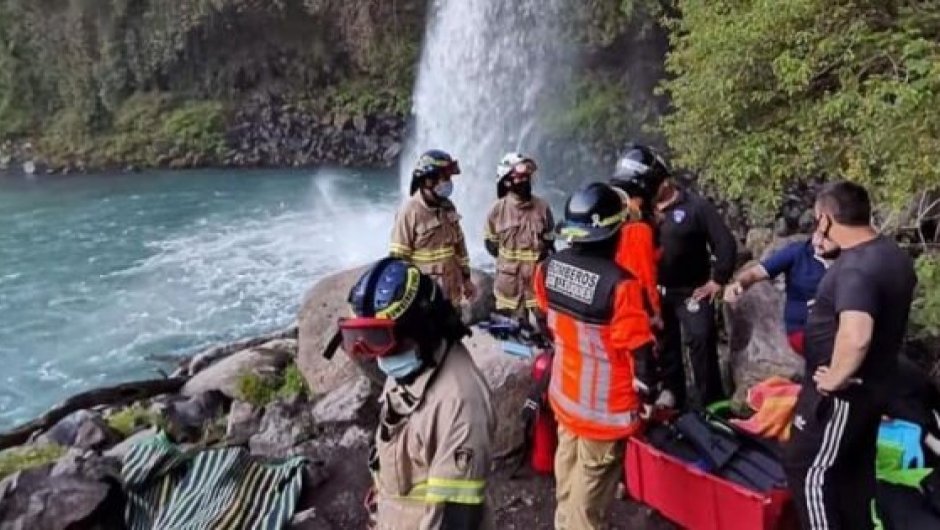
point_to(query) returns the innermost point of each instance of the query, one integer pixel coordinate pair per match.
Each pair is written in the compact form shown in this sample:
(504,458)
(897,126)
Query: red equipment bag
(541,428)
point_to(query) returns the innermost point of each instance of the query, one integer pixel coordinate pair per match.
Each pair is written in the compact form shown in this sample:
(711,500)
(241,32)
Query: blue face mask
(444,189)
(401,364)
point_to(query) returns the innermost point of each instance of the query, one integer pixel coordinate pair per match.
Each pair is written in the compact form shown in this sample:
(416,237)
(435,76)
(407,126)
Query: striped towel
(217,489)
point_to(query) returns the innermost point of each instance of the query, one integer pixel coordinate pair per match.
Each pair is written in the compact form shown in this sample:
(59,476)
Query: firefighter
(637,177)
(601,380)
(427,228)
(519,233)
(436,422)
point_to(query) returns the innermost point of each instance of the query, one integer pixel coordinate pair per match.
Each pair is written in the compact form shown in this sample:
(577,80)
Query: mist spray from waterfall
(487,69)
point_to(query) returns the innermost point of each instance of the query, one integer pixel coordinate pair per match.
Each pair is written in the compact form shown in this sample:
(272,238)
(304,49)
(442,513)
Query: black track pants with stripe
(830,459)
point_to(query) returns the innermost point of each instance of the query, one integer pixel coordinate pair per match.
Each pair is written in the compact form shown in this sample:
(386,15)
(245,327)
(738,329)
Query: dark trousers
(830,459)
(696,333)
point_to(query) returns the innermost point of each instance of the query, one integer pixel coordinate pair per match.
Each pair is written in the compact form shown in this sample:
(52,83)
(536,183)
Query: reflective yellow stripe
(518,255)
(398,308)
(432,255)
(464,261)
(490,236)
(505,303)
(400,251)
(455,491)
(531,303)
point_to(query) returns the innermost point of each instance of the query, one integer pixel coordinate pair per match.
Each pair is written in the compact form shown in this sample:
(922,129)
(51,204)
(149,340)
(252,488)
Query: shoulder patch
(462,459)
(678,216)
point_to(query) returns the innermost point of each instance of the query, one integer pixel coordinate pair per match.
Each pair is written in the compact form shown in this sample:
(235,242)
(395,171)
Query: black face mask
(833,253)
(522,189)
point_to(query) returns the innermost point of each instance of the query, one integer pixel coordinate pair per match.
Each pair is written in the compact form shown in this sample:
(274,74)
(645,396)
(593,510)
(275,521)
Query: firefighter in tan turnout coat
(436,423)
(427,228)
(519,234)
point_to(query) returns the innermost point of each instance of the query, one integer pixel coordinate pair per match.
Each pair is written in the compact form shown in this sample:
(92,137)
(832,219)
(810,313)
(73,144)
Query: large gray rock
(72,494)
(347,403)
(758,346)
(244,419)
(225,375)
(326,302)
(84,429)
(509,379)
(323,304)
(284,426)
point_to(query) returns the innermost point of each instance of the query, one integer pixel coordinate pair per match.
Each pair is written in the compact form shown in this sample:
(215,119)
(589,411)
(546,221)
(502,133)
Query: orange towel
(774,400)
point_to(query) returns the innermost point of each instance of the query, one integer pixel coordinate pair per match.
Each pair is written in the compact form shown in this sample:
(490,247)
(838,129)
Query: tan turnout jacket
(433,443)
(431,238)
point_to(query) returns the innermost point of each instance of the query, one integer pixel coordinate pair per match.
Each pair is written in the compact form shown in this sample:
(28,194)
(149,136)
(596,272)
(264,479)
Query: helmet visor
(368,337)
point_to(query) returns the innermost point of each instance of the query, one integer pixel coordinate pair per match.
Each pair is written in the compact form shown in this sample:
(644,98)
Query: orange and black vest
(597,316)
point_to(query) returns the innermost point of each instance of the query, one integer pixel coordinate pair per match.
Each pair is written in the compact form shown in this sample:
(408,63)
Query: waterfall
(487,68)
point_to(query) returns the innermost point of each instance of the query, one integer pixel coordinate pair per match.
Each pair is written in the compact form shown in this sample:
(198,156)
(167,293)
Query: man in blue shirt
(804,263)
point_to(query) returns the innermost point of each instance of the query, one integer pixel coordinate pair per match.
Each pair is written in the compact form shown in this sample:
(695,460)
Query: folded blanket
(224,489)
(774,399)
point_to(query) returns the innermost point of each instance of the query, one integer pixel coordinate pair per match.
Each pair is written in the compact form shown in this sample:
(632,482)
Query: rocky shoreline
(278,396)
(264,132)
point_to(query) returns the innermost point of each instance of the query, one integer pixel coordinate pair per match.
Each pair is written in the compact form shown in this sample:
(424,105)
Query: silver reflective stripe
(588,366)
(602,362)
(621,419)
(594,389)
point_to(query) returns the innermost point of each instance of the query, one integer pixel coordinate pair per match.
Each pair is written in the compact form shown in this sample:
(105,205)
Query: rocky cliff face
(206,82)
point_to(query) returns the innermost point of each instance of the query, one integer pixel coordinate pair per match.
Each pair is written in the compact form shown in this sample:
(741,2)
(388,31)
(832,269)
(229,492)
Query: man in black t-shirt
(854,332)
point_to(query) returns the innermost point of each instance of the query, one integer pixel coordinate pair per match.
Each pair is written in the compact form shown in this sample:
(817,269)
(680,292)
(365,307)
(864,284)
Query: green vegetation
(925,313)
(126,81)
(262,391)
(134,418)
(145,127)
(22,458)
(767,92)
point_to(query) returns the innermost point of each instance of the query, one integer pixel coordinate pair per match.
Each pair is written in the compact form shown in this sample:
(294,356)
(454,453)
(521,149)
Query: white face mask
(444,189)
(401,364)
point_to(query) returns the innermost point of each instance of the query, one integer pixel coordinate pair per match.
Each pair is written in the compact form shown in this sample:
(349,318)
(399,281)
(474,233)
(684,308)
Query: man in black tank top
(854,333)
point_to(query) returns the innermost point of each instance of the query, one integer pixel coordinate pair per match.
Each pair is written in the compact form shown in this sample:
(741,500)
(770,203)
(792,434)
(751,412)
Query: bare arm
(851,347)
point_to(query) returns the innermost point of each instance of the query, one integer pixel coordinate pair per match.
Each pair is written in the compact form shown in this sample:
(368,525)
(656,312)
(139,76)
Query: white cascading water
(486,70)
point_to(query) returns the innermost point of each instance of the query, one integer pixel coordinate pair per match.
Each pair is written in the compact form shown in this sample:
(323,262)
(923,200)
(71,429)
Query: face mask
(522,189)
(401,364)
(444,189)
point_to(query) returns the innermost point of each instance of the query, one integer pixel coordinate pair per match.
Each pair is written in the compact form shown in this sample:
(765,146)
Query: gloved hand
(644,374)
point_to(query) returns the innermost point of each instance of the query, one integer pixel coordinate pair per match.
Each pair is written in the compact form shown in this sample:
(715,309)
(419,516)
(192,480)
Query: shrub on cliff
(766,92)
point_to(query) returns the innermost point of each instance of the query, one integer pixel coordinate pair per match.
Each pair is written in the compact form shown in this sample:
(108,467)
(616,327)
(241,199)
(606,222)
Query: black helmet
(593,213)
(640,172)
(433,164)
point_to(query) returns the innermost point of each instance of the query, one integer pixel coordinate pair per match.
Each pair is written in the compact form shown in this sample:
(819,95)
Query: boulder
(224,375)
(187,418)
(326,302)
(244,419)
(284,426)
(120,450)
(76,493)
(510,380)
(84,429)
(757,240)
(323,304)
(347,403)
(758,346)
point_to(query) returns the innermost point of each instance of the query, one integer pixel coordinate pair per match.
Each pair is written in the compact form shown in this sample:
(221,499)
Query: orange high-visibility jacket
(591,389)
(637,253)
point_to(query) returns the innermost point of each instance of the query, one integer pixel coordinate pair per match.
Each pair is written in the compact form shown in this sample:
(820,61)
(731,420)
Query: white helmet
(509,161)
